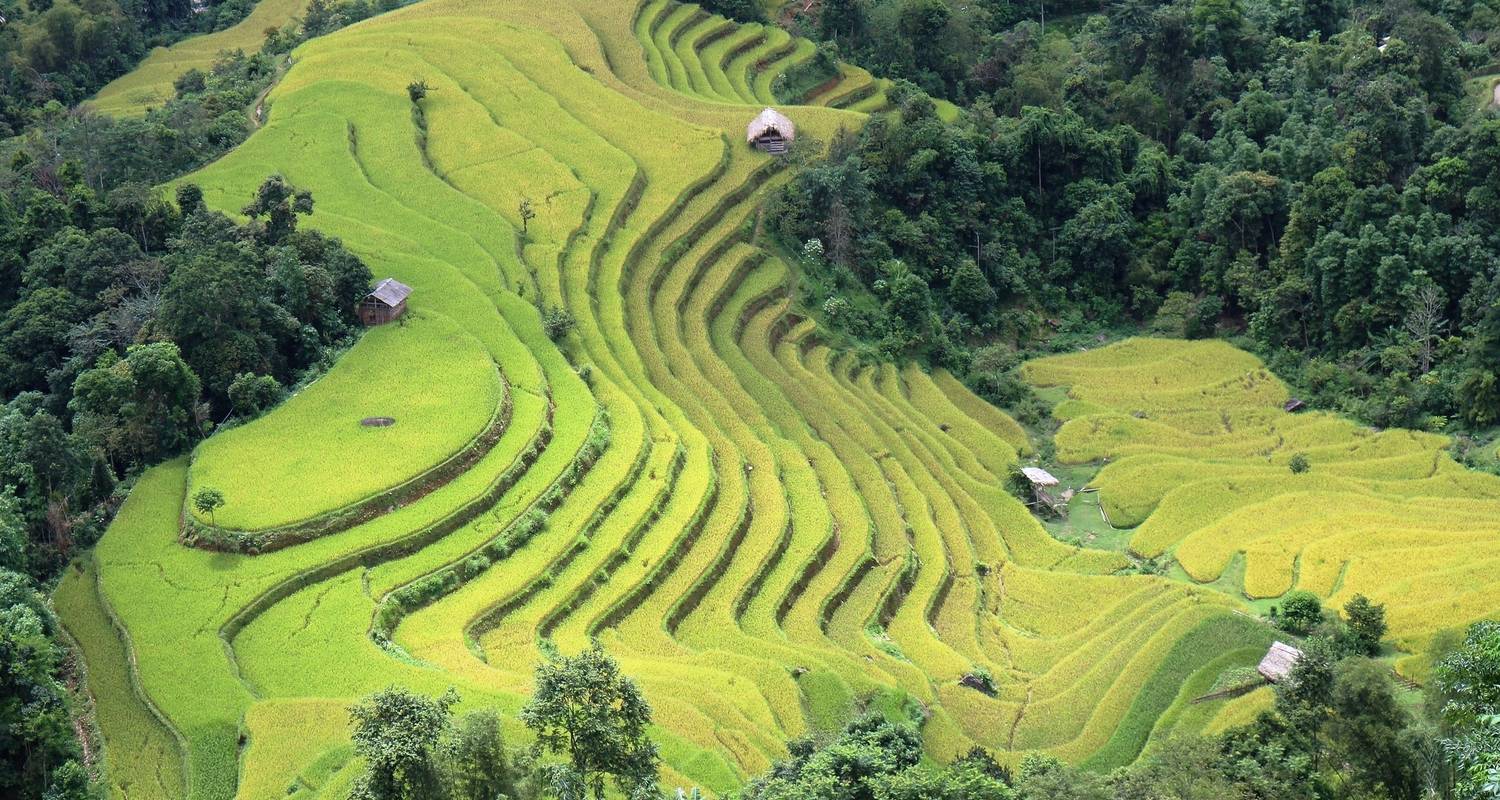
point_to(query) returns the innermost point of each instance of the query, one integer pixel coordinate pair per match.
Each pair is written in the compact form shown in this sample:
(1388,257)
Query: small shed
(771,132)
(1039,476)
(1279,661)
(385,302)
(1293,405)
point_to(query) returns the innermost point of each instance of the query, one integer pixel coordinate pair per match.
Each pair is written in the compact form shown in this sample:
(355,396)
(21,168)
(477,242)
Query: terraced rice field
(150,83)
(1196,449)
(765,532)
(295,463)
(708,57)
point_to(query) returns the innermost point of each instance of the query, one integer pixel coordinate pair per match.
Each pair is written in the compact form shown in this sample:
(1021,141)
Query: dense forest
(1316,178)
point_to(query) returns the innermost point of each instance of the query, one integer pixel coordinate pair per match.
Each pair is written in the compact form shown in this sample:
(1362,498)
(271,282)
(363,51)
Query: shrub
(251,395)
(1298,464)
(558,322)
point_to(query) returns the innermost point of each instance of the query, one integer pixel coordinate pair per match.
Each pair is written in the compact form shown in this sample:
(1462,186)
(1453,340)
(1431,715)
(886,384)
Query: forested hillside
(1319,178)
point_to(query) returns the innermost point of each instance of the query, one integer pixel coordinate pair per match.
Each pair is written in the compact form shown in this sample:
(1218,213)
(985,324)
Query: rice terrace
(771,529)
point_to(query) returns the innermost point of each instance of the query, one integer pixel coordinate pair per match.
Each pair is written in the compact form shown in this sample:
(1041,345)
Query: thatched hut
(1279,661)
(771,132)
(385,302)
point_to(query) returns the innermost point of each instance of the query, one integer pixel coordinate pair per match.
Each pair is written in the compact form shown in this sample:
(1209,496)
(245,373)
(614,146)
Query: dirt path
(258,110)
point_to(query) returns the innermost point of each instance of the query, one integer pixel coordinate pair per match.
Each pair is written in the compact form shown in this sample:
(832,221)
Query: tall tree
(399,734)
(586,712)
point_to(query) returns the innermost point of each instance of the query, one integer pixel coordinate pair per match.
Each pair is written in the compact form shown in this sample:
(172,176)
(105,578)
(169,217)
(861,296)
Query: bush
(1298,464)
(251,395)
(558,322)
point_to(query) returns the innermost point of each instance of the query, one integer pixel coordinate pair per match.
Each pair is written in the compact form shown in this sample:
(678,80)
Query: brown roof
(768,121)
(1279,661)
(390,291)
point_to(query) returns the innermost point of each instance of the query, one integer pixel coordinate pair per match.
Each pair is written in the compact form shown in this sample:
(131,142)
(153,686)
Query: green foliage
(584,711)
(558,322)
(478,765)
(139,409)
(869,756)
(1465,694)
(1300,612)
(527,212)
(398,734)
(1366,621)
(1367,731)
(35,735)
(742,10)
(1090,190)
(208,500)
(1298,463)
(416,91)
(252,395)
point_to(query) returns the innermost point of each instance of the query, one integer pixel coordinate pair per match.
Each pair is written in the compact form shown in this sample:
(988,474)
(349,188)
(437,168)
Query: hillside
(766,531)
(150,83)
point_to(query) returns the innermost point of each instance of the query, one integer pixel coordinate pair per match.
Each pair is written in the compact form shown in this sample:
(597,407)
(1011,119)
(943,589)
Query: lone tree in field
(416,90)
(1366,620)
(208,500)
(527,214)
(1300,612)
(586,712)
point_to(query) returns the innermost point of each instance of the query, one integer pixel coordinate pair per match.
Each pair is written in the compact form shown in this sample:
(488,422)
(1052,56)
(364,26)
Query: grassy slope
(150,83)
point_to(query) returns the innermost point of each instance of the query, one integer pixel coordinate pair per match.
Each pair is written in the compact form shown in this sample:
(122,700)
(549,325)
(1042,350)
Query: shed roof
(1039,476)
(390,291)
(767,121)
(1279,661)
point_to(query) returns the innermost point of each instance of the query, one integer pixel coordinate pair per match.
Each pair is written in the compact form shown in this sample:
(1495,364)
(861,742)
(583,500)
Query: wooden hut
(1278,662)
(385,302)
(1045,496)
(771,132)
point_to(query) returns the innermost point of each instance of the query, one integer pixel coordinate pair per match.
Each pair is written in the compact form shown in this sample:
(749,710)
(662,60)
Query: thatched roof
(1039,476)
(1279,661)
(768,121)
(390,291)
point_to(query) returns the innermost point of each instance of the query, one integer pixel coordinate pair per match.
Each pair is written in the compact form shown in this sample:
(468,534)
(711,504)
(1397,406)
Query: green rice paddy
(766,532)
(313,454)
